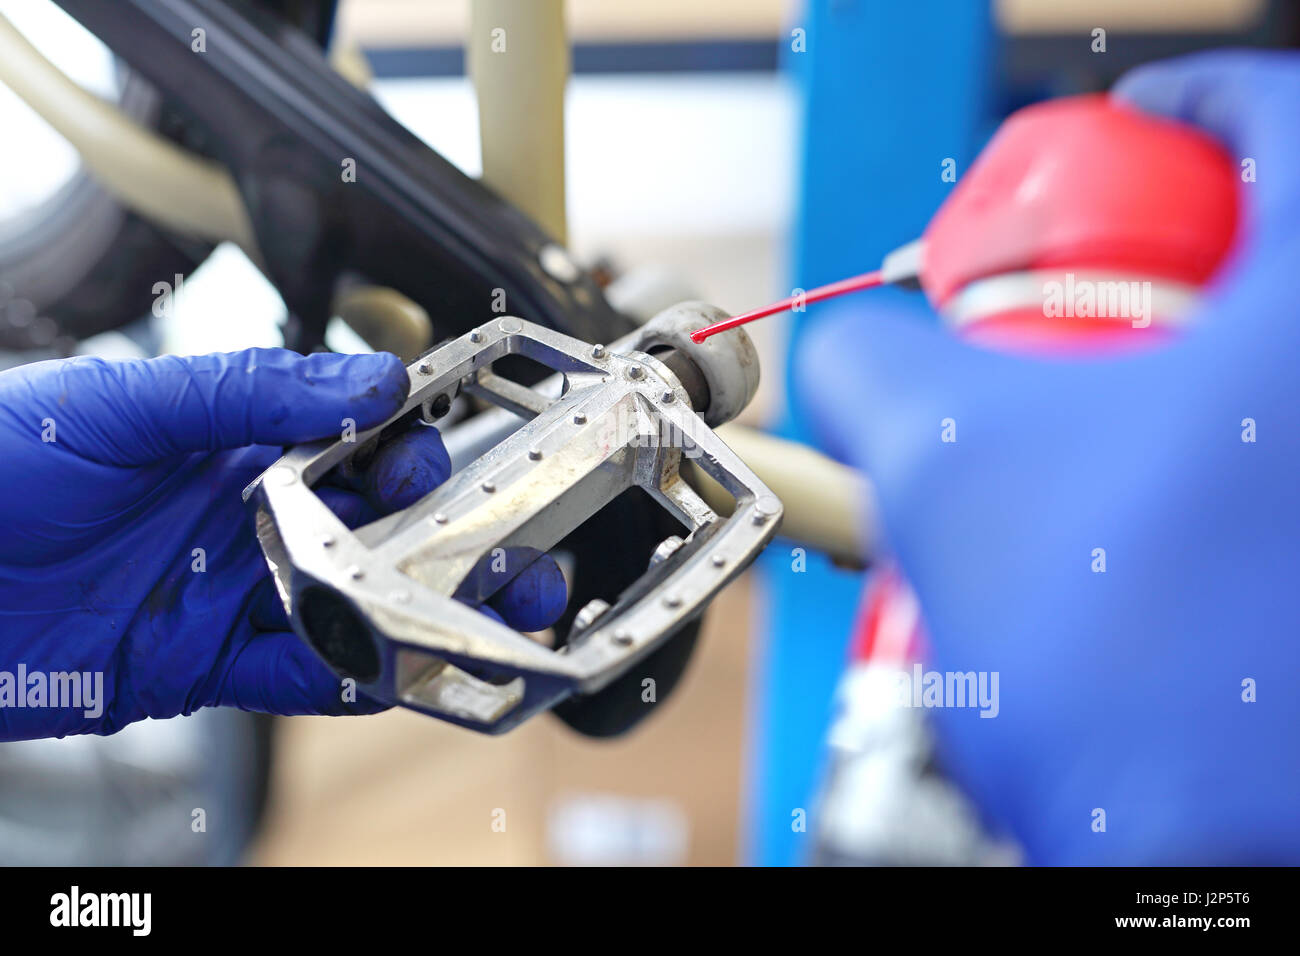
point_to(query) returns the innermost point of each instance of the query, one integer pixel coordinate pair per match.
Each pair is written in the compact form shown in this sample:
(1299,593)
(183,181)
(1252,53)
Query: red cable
(867,280)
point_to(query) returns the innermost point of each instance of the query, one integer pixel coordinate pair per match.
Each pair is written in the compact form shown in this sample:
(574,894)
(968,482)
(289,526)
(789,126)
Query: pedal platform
(390,604)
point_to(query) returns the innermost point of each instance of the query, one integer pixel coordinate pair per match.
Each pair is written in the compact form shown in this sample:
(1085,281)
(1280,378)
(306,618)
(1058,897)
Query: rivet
(579,419)
(636,372)
(534,454)
(489,487)
(622,637)
(672,600)
(598,351)
(667,396)
(476,336)
(355,573)
(424,368)
(440,518)
(766,506)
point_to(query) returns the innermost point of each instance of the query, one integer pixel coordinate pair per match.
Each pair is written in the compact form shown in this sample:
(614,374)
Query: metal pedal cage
(380,604)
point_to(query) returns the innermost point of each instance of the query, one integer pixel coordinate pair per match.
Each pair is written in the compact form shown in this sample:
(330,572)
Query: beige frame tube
(149,174)
(518,56)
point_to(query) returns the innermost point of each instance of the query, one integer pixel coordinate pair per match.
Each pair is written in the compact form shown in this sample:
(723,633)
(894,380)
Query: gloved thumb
(135,412)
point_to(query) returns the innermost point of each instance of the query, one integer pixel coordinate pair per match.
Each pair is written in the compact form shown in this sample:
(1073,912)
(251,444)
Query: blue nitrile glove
(127,551)
(1125,691)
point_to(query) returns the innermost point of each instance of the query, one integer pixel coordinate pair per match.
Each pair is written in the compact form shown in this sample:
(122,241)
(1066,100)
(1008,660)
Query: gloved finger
(280,674)
(876,381)
(352,509)
(406,468)
(265,609)
(923,414)
(535,598)
(1246,99)
(487,611)
(139,411)
(402,467)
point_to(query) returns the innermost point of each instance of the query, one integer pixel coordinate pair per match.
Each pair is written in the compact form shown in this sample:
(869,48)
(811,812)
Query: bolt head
(557,263)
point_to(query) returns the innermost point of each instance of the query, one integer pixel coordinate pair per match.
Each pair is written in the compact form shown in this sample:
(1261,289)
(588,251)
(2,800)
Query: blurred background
(742,147)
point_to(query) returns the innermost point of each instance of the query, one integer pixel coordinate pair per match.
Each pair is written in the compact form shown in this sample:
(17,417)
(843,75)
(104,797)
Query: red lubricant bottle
(1084,227)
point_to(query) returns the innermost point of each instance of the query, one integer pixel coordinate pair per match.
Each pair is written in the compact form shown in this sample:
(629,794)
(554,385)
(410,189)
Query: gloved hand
(1127,690)
(126,550)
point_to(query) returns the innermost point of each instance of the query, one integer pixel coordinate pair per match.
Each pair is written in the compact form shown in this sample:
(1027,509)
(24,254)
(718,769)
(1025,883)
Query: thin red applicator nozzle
(867,280)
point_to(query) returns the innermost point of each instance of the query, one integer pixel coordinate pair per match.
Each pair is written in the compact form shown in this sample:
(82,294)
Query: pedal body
(390,604)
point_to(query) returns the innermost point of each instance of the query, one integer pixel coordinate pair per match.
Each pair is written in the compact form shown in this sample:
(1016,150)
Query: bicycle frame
(283,122)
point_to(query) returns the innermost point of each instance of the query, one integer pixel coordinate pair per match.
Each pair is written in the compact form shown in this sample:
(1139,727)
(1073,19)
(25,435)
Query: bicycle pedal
(389,604)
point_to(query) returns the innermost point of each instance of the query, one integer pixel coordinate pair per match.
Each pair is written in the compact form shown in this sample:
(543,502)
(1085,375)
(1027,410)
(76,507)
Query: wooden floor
(401,789)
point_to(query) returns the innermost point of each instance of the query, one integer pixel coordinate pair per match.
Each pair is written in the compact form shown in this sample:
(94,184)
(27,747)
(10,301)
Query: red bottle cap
(1086,183)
